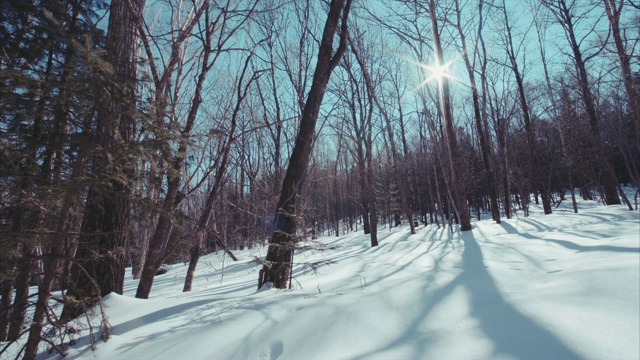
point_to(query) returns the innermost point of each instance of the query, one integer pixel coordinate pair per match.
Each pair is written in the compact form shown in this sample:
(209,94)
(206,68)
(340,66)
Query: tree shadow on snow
(568,244)
(511,331)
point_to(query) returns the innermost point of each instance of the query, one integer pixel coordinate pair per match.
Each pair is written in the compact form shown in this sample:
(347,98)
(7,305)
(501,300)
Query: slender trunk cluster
(457,191)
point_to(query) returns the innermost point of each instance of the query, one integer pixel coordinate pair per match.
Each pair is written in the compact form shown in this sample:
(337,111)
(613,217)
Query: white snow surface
(560,286)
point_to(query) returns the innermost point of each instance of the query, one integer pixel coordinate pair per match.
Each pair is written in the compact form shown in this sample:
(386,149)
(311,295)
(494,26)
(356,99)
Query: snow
(560,286)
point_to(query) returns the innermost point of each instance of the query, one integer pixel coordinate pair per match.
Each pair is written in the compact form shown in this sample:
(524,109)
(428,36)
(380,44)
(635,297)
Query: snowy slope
(563,286)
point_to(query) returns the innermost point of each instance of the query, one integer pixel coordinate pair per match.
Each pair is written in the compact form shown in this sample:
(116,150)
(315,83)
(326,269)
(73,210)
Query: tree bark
(614,12)
(277,269)
(458,192)
(6,294)
(100,258)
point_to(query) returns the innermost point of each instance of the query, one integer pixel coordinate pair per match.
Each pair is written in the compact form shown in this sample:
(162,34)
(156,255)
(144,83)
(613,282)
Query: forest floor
(560,286)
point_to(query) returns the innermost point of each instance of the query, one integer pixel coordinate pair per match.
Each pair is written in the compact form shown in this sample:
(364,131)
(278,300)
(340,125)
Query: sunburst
(436,72)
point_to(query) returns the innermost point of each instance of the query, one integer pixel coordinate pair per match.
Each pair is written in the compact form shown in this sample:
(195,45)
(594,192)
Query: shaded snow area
(561,286)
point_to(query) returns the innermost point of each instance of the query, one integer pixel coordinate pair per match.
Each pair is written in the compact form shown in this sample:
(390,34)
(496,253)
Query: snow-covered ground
(561,286)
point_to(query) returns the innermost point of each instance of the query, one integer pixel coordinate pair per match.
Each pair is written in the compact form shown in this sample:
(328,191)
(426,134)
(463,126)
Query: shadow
(150,318)
(581,248)
(511,332)
(413,332)
(568,244)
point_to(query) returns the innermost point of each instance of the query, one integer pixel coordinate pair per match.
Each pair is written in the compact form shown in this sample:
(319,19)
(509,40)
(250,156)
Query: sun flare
(436,72)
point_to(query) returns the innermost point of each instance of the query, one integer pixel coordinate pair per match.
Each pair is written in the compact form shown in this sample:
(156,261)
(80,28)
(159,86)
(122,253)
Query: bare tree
(277,268)
(541,36)
(357,48)
(565,15)
(227,20)
(477,111)
(457,189)
(534,169)
(359,115)
(203,222)
(614,10)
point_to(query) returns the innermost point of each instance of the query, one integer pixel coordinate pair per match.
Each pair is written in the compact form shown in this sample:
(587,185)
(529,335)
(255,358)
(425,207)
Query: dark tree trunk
(364,192)
(100,259)
(57,254)
(157,247)
(20,303)
(193,262)
(6,294)
(277,269)
(371,191)
(614,12)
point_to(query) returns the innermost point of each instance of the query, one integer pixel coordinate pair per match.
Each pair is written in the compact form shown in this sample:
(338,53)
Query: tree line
(137,133)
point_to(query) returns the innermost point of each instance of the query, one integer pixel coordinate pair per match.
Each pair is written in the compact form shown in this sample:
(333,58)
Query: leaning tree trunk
(203,223)
(277,268)
(614,11)
(173,198)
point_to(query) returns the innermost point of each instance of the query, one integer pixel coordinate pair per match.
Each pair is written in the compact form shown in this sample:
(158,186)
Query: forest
(136,134)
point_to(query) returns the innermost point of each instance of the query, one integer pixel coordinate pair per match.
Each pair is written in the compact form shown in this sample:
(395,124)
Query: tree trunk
(614,11)
(277,269)
(458,191)
(20,303)
(57,253)
(6,296)
(203,223)
(193,262)
(371,191)
(100,258)
(173,198)
(364,188)
(566,18)
(484,143)
(534,168)
(401,180)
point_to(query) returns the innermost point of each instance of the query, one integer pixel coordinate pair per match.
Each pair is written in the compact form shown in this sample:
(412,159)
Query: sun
(436,72)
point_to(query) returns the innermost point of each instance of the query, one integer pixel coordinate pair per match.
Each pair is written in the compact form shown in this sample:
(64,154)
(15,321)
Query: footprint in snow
(275,350)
